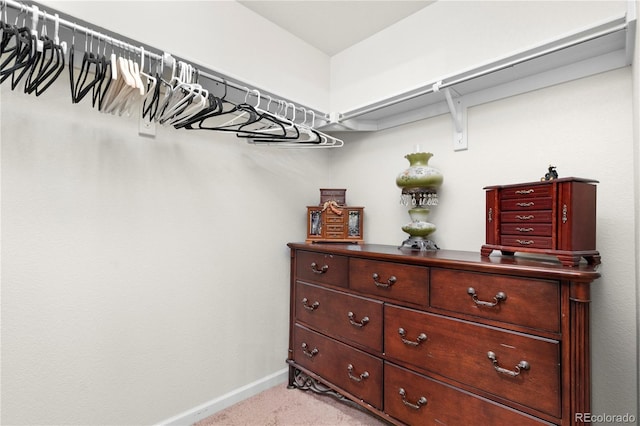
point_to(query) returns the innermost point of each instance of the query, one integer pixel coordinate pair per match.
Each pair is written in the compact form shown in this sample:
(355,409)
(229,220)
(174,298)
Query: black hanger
(49,64)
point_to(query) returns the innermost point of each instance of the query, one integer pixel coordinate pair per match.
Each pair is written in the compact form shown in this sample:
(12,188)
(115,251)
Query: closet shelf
(603,47)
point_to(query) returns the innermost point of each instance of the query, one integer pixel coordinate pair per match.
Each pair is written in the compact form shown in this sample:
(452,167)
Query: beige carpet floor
(280,406)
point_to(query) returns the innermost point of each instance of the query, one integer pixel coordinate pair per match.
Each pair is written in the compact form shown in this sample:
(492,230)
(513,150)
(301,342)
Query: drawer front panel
(486,358)
(522,301)
(540,229)
(408,283)
(527,191)
(541,216)
(322,268)
(530,241)
(350,369)
(442,404)
(525,204)
(347,317)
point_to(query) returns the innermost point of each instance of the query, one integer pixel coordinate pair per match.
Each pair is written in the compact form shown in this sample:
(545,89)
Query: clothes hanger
(19,46)
(45,78)
(92,65)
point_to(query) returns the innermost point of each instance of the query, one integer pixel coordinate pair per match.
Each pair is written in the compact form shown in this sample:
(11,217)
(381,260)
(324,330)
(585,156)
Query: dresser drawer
(322,268)
(519,204)
(527,191)
(484,357)
(539,229)
(539,216)
(532,303)
(347,317)
(530,241)
(418,400)
(408,283)
(350,369)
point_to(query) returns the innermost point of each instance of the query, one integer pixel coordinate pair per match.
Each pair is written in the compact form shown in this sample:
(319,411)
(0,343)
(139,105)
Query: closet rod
(138,48)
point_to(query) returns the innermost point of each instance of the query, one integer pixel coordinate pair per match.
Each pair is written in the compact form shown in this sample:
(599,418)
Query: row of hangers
(27,56)
(113,76)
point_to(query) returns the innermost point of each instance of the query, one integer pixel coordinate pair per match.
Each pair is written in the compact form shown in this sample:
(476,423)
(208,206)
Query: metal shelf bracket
(458,111)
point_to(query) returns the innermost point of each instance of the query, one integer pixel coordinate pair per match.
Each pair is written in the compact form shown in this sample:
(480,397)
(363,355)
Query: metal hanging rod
(37,11)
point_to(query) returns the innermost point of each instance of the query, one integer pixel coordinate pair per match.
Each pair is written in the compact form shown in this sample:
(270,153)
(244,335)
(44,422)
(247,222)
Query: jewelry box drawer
(347,317)
(322,268)
(531,241)
(348,368)
(513,366)
(541,216)
(407,283)
(528,302)
(542,203)
(417,400)
(527,191)
(538,229)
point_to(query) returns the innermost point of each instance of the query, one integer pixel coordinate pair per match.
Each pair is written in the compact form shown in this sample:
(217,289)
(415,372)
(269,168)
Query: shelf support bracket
(458,111)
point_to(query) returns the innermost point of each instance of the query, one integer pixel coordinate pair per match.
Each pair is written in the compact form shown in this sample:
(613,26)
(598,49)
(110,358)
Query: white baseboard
(207,409)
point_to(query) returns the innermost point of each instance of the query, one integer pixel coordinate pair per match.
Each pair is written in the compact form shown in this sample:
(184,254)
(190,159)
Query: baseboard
(207,409)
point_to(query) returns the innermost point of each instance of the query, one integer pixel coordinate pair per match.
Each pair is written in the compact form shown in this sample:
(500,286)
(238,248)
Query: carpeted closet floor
(280,406)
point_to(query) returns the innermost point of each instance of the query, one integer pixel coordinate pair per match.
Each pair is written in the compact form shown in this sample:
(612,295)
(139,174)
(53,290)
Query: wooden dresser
(441,337)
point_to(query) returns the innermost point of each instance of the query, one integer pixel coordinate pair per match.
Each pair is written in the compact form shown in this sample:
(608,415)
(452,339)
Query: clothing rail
(39,15)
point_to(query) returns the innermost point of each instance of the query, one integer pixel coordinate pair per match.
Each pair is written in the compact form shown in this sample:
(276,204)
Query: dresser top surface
(524,265)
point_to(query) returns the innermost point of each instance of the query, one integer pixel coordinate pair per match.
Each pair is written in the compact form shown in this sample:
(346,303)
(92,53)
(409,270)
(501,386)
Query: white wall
(448,37)
(136,285)
(141,277)
(144,277)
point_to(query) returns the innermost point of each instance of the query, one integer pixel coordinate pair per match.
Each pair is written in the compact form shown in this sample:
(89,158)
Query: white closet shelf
(602,47)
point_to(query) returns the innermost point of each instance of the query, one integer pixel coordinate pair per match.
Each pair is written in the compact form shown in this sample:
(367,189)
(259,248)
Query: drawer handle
(525,191)
(525,242)
(522,365)
(314,268)
(422,401)
(403,333)
(310,354)
(500,297)
(313,307)
(356,378)
(355,323)
(391,281)
(527,217)
(524,229)
(529,204)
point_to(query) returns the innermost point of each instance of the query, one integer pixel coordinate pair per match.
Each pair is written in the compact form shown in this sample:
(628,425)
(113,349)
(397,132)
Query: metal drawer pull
(525,242)
(522,365)
(356,378)
(525,191)
(529,204)
(355,323)
(421,338)
(524,229)
(310,354)
(422,401)
(391,281)
(313,307)
(314,268)
(527,217)
(500,297)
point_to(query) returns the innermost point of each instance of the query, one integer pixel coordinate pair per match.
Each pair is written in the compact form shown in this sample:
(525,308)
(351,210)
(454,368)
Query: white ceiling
(332,26)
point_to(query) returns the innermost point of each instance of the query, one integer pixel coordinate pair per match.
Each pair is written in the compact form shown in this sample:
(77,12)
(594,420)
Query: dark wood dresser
(441,337)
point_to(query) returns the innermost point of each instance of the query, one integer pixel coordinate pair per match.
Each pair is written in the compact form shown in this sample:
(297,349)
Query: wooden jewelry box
(333,221)
(555,217)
